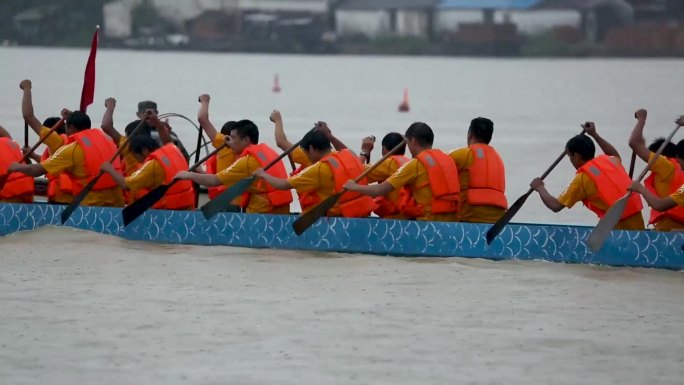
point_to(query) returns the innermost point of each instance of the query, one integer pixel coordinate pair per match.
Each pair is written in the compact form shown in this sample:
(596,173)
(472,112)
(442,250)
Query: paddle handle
(125,143)
(632,163)
(657,154)
(206,157)
(286,153)
(42,139)
(379,162)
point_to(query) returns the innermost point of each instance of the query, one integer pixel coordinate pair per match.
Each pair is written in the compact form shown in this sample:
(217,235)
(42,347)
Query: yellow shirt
(463,157)
(149,176)
(130,161)
(225,157)
(71,159)
(258,203)
(664,172)
(300,157)
(380,174)
(53,143)
(582,187)
(414,175)
(678,196)
(316,178)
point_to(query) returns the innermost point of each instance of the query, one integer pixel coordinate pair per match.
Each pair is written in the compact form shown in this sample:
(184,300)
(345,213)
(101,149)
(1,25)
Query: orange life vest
(344,166)
(55,182)
(676,213)
(264,155)
(487,178)
(612,183)
(387,207)
(97,149)
(211,169)
(443,182)
(181,195)
(18,185)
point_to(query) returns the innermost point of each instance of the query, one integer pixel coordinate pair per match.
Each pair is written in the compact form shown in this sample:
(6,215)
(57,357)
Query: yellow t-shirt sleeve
(463,157)
(62,160)
(662,167)
(150,175)
(678,196)
(219,140)
(574,193)
(382,172)
(53,142)
(129,158)
(407,174)
(309,179)
(242,168)
(300,157)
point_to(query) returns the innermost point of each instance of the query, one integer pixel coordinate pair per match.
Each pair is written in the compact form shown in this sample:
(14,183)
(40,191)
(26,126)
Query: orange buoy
(404,106)
(276,84)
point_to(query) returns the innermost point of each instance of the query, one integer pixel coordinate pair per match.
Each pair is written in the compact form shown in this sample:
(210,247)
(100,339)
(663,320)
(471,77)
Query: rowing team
(467,184)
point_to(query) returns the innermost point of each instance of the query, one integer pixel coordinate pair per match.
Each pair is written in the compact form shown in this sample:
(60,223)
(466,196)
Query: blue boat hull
(554,243)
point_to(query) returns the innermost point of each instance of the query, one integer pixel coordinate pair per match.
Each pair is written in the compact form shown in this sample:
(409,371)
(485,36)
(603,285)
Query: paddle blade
(222,201)
(306,220)
(602,230)
(498,227)
(78,199)
(137,208)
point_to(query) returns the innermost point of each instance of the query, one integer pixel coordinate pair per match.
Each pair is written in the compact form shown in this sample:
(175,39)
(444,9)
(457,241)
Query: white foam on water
(80,307)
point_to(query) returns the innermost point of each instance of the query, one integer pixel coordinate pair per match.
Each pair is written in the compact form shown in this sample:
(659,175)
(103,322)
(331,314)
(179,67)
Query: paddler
(159,165)
(53,142)
(431,176)
(599,181)
(482,175)
(17,188)
(325,177)
(260,196)
(666,175)
(80,160)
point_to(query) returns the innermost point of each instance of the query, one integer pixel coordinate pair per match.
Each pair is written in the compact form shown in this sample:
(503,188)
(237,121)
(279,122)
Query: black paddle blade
(306,220)
(222,201)
(602,230)
(498,227)
(137,208)
(79,198)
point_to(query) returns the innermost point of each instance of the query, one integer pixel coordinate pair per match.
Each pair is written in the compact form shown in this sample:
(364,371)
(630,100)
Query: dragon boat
(554,243)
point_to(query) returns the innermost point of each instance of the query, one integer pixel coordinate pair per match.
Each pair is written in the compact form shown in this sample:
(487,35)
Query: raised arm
(336,143)
(203,117)
(108,121)
(606,147)
(636,140)
(280,137)
(163,128)
(27,107)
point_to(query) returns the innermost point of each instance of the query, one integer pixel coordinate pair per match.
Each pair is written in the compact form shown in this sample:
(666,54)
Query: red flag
(88,93)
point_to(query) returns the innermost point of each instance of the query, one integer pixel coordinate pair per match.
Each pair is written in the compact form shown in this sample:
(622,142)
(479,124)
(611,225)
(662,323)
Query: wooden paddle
(79,198)
(310,217)
(26,140)
(137,208)
(602,230)
(632,163)
(3,178)
(496,229)
(222,201)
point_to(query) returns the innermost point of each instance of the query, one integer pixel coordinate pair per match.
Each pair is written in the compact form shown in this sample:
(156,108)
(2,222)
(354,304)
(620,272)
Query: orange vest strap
(264,155)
